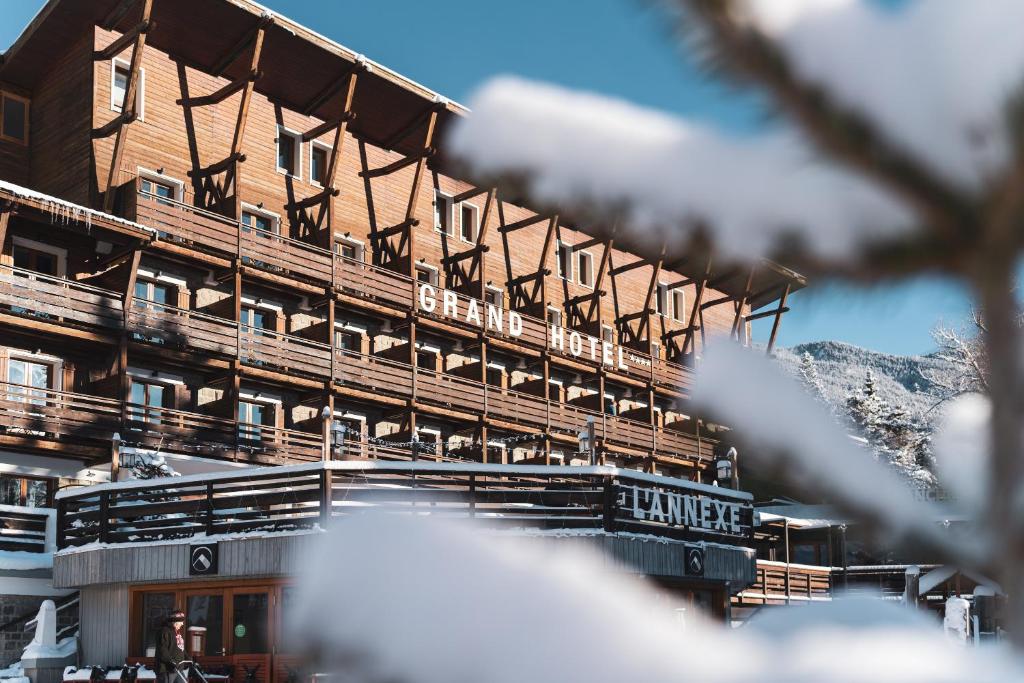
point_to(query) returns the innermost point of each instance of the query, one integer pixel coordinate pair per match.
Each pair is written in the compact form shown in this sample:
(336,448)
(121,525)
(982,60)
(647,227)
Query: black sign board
(202,559)
(694,561)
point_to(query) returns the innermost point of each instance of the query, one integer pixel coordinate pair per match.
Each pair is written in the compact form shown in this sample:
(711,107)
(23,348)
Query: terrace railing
(27,529)
(598,499)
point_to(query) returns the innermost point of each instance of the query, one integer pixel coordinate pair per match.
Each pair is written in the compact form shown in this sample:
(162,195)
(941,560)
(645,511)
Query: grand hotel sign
(448,304)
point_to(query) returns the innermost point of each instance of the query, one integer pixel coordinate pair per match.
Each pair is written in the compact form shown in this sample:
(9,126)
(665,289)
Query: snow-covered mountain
(901,380)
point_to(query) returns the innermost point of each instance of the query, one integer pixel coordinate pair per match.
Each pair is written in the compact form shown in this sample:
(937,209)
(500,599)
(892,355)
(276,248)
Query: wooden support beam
(254,34)
(602,268)
(122,43)
(395,229)
(243,106)
(133,274)
(737,320)
(223,93)
(689,341)
(313,200)
(632,265)
(462,255)
(469,194)
(333,88)
(645,322)
(5,219)
(529,277)
(765,314)
(114,126)
(398,165)
(589,243)
(778,319)
(414,193)
(127,107)
(218,167)
(410,127)
(314,133)
(110,21)
(526,222)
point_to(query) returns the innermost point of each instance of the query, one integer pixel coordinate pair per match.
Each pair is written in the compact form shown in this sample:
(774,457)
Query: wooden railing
(274,253)
(25,529)
(299,497)
(57,300)
(285,353)
(181,328)
(49,414)
(780,583)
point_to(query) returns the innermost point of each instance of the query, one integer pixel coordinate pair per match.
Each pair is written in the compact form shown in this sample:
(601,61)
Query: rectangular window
(119,72)
(35,260)
(146,399)
(554,317)
(318,163)
(607,334)
(161,187)
(494,296)
(565,261)
(13,118)
(585,268)
(444,219)
(32,378)
(251,623)
(678,304)
(29,492)
(157,292)
(263,223)
(349,248)
(469,222)
(257,318)
(207,612)
(495,374)
(156,607)
(661,299)
(289,152)
(250,415)
(426,274)
(347,340)
(655,350)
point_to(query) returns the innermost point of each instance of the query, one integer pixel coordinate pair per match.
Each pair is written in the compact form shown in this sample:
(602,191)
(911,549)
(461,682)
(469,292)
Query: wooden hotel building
(230,241)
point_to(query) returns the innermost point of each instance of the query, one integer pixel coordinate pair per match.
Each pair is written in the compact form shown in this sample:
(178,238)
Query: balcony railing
(26,529)
(57,300)
(302,496)
(40,413)
(281,255)
(779,583)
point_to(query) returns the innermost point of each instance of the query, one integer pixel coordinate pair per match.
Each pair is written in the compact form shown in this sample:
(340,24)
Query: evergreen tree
(810,378)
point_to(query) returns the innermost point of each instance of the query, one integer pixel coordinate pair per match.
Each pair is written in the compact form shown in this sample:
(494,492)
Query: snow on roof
(67,212)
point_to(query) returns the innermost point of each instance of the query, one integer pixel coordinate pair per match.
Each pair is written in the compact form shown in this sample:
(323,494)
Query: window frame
(610,338)
(677,295)
(352,242)
(661,299)
(449,202)
(275,219)
(163,179)
(590,269)
(475,210)
(558,315)
(561,247)
(56,365)
(296,170)
(435,278)
(59,253)
(488,289)
(324,147)
(140,91)
(51,487)
(5,95)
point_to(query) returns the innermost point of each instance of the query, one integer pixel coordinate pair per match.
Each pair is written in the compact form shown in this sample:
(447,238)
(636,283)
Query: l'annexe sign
(692,511)
(495,319)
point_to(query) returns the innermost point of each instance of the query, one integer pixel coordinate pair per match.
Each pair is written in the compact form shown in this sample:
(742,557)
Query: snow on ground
(584,149)
(463,605)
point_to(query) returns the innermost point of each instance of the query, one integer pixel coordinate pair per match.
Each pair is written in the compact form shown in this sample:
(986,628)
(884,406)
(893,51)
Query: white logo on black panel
(695,562)
(203,560)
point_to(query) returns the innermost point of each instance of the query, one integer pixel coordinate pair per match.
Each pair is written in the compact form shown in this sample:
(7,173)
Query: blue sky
(623,48)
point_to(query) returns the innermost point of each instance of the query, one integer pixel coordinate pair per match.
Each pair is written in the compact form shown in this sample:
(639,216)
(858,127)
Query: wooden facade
(266,207)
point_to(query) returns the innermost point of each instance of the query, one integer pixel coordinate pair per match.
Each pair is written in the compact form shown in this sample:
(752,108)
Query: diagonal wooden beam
(127,107)
(701,288)
(122,43)
(251,36)
(778,319)
(396,166)
(645,322)
(430,113)
(333,88)
(6,209)
(524,223)
(113,126)
(738,318)
(414,192)
(599,278)
(223,93)
(632,265)
(250,84)
(116,14)
(314,133)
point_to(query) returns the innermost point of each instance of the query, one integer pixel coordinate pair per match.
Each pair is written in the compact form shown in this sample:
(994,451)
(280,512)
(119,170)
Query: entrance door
(250,635)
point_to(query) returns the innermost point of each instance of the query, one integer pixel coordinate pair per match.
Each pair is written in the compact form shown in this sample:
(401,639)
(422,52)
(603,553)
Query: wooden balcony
(179,328)
(45,418)
(25,529)
(284,353)
(58,301)
(279,499)
(779,583)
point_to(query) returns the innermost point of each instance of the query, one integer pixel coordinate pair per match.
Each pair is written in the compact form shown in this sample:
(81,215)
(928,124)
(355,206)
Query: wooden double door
(235,632)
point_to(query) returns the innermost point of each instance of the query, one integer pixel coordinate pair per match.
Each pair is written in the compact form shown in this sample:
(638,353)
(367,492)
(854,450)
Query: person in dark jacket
(170,648)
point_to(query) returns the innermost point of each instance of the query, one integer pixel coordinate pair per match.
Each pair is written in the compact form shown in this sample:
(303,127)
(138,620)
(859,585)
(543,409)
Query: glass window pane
(206,612)
(142,290)
(319,165)
(161,293)
(16,371)
(156,607)
(15,118)
(10,491)
(120,85)
(285,152)
(37,493)
(46,263)
(40,375)
(22,257)
(249,629)
(156,396)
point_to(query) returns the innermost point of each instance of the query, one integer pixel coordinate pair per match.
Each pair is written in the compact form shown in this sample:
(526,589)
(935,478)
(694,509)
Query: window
(264,223)
(565,261)
(146,398)
(318,156)
(289,152)
(426,274)
(661,299)
(444,220)
(13,118)
(469,222)
(554,317)
(585,268)
(157,292)
(29,492)
(250,415)
(495,374)
(678,304)
(156,607)
(349,248)
(655,350)
(207,612)
(32,377)
(427,357)
(251,613)
(347,340)
(607,334)
(160,186)
(119,70)
(610,404)
(257,318)
(494,296)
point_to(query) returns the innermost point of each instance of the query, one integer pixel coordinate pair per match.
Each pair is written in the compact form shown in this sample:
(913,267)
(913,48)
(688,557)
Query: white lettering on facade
(680,509)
